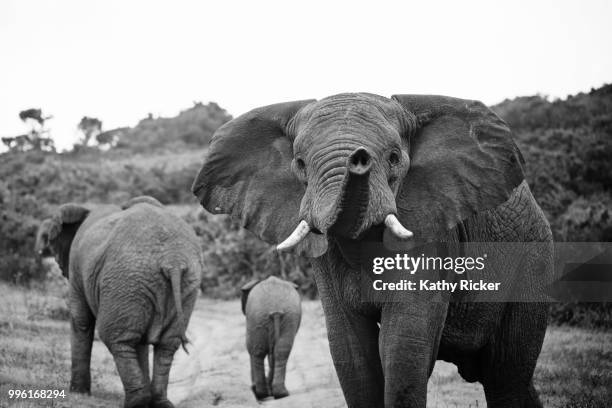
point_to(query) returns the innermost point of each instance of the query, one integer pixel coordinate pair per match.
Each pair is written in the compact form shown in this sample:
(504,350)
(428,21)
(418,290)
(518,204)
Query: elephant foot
(80,388)
(138,400)
(260,395)
(279,392)
(161,403)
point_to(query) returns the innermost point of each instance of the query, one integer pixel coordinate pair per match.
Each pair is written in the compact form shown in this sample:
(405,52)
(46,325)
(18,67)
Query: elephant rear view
(134,273)
(273,312)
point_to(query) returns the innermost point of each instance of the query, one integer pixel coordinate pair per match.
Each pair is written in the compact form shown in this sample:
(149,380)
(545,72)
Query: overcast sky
(119,60)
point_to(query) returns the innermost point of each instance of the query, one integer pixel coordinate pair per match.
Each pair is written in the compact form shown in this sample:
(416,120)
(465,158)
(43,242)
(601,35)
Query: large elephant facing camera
(134,273)
(327,175)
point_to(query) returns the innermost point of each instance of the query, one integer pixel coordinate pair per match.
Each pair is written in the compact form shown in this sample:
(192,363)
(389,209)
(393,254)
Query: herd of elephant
(321,177)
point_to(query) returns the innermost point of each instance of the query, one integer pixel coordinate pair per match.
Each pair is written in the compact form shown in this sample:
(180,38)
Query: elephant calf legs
(278,366)
(258,377)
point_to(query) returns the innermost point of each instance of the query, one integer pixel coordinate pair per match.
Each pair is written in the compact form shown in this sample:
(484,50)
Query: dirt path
(574,367)
(216,372)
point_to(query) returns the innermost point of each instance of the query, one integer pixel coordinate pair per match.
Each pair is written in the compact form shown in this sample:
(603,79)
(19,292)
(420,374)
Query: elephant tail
(175,274)
(274,336)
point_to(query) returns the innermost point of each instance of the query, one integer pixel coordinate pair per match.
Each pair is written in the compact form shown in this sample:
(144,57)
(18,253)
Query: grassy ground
(574,370)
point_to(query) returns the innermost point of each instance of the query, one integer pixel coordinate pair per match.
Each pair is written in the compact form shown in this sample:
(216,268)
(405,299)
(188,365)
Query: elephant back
(273,295)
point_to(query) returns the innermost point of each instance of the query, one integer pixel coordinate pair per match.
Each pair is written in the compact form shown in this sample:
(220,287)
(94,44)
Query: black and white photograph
(313,204)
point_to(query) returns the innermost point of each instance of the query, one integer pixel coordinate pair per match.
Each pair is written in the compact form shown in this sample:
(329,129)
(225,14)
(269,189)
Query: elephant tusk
(295,238)
(397,228)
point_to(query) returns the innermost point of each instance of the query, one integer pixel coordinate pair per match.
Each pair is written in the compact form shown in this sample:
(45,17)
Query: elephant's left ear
(72,213)
(246,289)
(63,229)
(463,161)
(247,174)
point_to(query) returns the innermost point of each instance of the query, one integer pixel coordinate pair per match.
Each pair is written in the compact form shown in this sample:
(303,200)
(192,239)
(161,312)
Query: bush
(233,256)
(567,145)
(193,127)
(591,315)
(34,184)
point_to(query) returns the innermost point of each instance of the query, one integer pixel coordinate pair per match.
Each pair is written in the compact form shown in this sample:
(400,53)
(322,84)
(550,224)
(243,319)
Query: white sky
(119,60)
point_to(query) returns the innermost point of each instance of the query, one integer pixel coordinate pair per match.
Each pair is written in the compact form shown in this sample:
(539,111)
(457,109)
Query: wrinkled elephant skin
(324,176)
(134,273)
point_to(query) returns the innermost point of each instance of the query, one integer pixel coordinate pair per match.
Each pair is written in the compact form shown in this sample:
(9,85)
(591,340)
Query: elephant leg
(163,354)
(258,377)
(82,324)
(282,349)
(511,356)
(277,384)
(142,350)
(122,338)
(270,370)
(353,342)
(531,399)
(137,391)
(409,339)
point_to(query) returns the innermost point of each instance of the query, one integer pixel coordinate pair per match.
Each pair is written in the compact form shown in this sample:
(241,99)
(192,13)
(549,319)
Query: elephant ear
(463,161)
(246,289)
(247,174)
(63,227)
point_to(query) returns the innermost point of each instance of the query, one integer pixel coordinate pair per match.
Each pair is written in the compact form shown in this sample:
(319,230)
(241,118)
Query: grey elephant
(134,273)
(273,313)
(326,176)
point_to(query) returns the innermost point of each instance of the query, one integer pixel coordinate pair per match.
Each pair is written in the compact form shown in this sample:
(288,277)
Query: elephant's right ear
(63,227)
(246,289)
(463,161)
(247,174)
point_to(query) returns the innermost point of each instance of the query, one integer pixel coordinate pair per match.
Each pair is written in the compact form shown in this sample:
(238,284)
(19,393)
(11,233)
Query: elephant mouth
(350,218)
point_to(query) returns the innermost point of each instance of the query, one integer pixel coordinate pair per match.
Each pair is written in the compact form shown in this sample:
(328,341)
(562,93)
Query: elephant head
(344,167)
(55,234)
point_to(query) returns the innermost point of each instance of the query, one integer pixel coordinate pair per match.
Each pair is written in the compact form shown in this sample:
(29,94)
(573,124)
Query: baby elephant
(134,272)
(273,313)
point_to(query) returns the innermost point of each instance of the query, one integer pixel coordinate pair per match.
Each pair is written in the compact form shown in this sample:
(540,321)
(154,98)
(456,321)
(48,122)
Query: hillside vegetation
(567,145)
(192,127)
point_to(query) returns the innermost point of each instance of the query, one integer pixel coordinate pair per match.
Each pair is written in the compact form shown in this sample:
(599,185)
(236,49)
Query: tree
(89,127)
(35,115)
(111,137)
(34,139)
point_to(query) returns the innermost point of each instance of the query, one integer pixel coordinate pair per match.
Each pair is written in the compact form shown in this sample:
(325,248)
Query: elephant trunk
(340,197)
(352,205)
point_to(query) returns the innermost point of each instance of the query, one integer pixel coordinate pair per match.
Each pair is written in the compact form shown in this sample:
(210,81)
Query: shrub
(233,256)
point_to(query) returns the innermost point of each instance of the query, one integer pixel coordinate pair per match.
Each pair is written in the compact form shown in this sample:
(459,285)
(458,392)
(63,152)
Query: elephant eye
(394,158)
(300,163)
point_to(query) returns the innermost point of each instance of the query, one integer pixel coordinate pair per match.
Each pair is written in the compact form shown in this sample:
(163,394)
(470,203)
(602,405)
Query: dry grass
(35,350)
(574,370)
